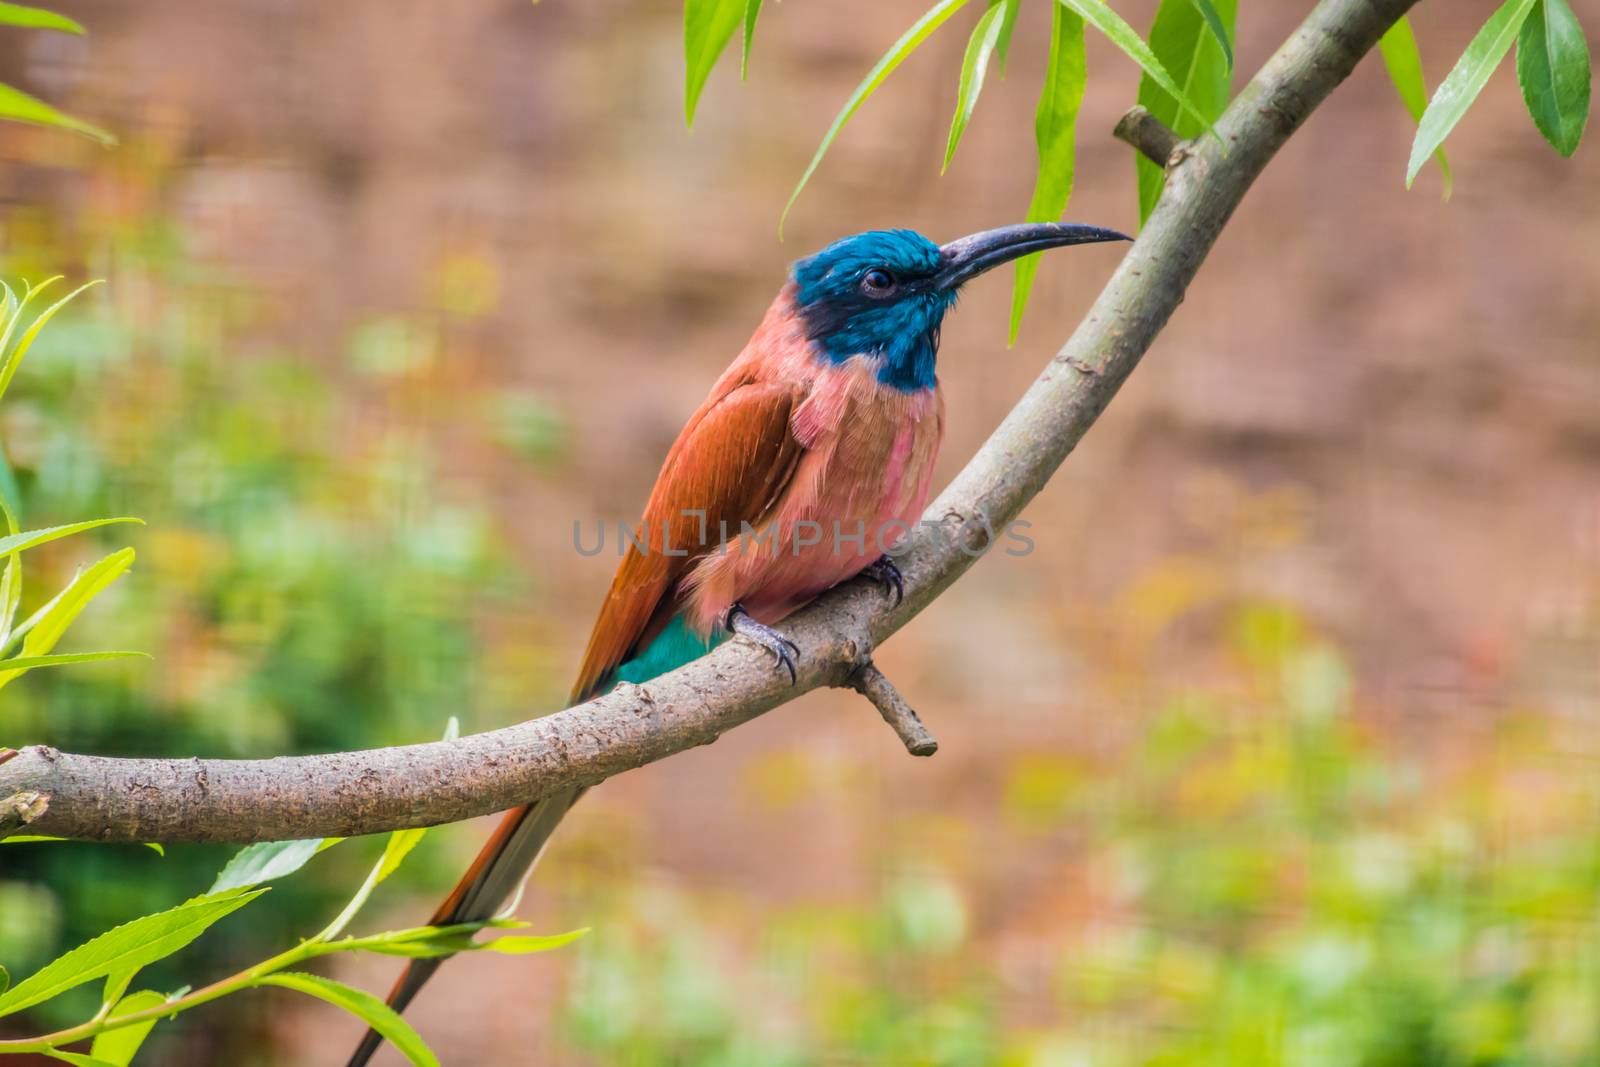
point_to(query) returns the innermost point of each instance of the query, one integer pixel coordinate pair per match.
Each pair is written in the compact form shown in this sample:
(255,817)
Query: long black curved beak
(968,257)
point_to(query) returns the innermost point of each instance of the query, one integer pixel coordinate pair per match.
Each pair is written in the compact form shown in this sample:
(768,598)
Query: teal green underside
(675,646)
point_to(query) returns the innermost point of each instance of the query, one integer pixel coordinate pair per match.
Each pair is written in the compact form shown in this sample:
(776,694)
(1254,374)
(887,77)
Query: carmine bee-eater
(811,457)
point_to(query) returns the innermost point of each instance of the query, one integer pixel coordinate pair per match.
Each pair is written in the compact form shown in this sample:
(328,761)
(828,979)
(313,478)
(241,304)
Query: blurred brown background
(1373,424)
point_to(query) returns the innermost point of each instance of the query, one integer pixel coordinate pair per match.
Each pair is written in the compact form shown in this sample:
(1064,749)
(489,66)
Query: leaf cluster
(1187,66)
(119,1027)
(28,644)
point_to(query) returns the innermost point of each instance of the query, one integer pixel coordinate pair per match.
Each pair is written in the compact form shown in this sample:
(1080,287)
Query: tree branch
(871,683)
(1148,134)
(350,793)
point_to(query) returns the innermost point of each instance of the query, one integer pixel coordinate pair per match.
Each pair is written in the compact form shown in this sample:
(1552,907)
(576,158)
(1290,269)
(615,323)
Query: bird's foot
(785,651)
(886,573)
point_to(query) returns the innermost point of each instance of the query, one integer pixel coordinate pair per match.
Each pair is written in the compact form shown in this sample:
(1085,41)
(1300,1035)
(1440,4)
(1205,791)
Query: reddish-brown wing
(730,465)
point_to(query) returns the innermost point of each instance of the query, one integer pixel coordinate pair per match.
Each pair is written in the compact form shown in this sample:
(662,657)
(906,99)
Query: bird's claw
(785,651)
(886,573)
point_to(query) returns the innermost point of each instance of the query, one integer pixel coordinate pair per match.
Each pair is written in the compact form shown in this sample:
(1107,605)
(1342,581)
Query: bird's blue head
(865,294)
(885,292)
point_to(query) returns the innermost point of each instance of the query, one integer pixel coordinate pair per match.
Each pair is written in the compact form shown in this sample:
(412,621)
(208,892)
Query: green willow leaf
(10,597)
(10,490)
(28,663)
(1008,26)
(1553,67)
(9,359)
(1403,61)
(18,106)
(33,538)
(1188,48)
(124,948)
(47,625)
(1465,81)
(36,18)
(1054,128)
(117,984)
(25,839)
(426,950)
(752,11)
(266,860)
(10,582)
(708,26)
(77,1059)
(434,942)
(1221,29)
(118,1047)
(1119,33)
(523,944)
(14,357)
(974,67)
(423,941)
(401,842)
(364,1006)
(920,30)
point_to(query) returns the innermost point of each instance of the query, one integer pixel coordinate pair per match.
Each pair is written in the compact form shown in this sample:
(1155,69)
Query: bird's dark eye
(877,282)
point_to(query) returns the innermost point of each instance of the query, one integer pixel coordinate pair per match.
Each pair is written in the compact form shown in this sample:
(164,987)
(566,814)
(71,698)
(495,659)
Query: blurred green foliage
(309,581)
(31,639)
(1265,879)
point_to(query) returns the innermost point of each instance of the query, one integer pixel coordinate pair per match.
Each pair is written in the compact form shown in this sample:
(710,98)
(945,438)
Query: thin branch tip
(873,684)
(1152,137)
